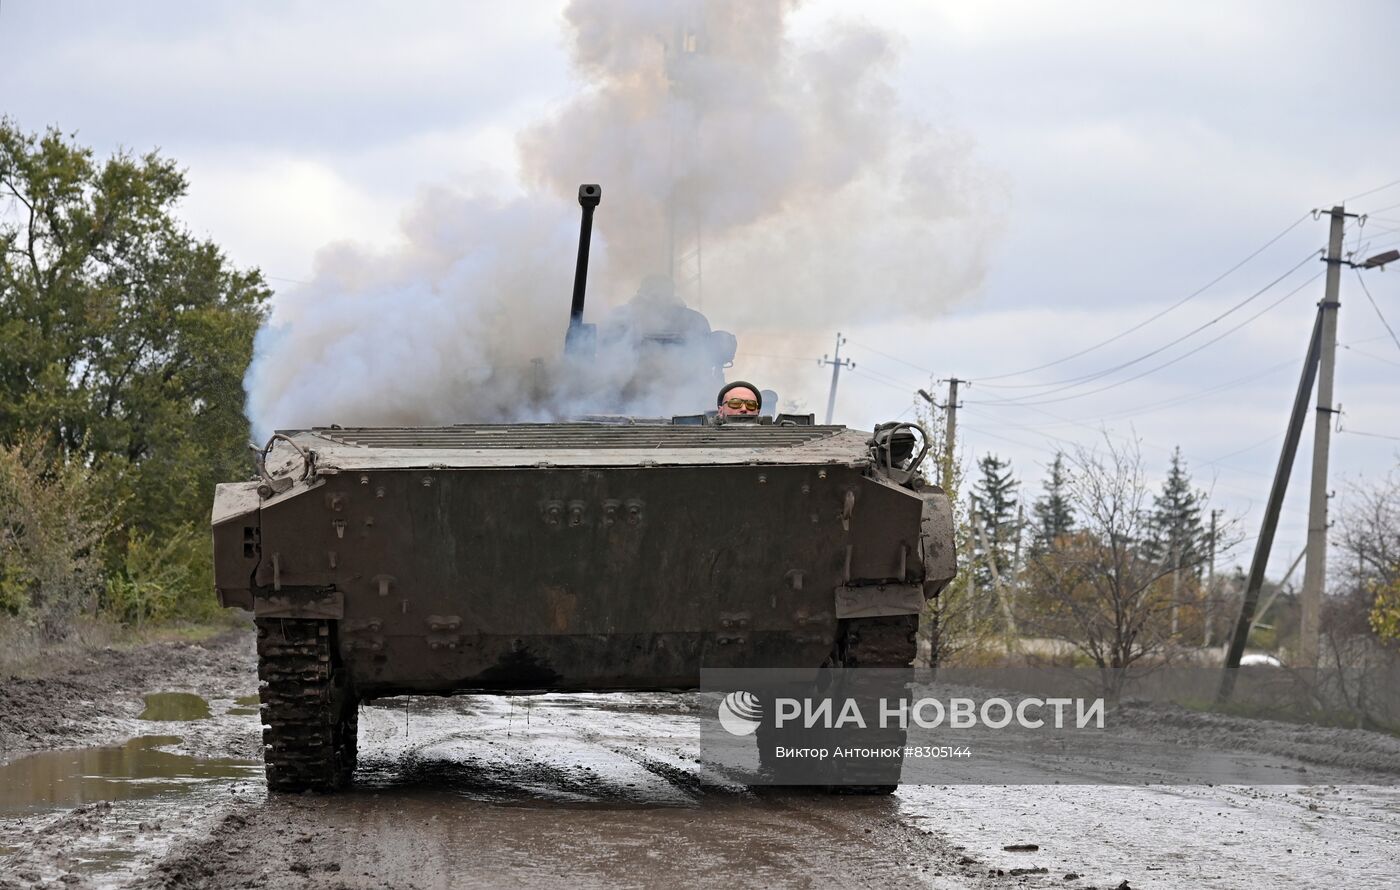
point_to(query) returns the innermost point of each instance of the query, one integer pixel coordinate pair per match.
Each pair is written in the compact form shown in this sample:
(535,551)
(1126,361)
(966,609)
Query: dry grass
(25,653)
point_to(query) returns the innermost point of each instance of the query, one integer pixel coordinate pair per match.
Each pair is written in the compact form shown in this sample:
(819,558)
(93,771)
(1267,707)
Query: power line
(893,358)
(1264,441)
(1238,492)
(1183,301)
(1370,435)
(1369,355)
(1379,188)
(865,369)
(884,381)
(1191,396)
(1372,301)
(790,358)
(1032,399)
(1103,431)
(1097,375)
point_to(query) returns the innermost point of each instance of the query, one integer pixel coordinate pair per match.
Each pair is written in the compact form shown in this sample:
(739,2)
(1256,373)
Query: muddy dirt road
(586,791)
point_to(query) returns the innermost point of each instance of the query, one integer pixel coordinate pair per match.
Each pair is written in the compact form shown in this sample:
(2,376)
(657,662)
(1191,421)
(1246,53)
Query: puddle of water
(171,706)
(245,705)
(135,770)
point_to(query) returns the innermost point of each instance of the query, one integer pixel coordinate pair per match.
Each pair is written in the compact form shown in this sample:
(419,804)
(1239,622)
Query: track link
(885,642)
(308,710)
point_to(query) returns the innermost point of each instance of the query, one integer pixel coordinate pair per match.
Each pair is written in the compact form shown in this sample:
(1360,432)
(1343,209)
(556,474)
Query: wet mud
(174,706)
(141,768)
(99,698)
(614,791)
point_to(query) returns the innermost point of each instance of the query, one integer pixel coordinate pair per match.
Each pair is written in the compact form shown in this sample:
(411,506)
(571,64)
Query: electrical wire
(1183,301)
(1264,441)
(1370,435)
(1372,301)
(789,358)
(893,358)
(1369,355)
(1103,431)
(863,369)
(1032,400)
(882,380)
(1191,396)
(1098,375)
(1379,188)
(1239,492)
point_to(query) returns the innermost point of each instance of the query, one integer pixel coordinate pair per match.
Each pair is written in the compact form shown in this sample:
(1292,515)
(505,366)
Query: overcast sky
(1125,155)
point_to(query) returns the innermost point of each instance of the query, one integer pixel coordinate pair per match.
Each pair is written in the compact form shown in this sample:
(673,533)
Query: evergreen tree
(995,493)
(1054,517)
(1176,535)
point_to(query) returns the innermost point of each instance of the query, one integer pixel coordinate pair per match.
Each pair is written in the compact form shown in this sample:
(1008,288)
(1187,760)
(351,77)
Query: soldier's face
(739,392)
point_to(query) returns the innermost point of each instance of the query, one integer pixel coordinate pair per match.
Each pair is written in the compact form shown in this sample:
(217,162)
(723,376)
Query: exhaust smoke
(774,183)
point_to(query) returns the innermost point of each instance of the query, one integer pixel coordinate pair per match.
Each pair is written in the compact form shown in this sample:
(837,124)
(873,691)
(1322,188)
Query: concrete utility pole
(837,363)
(1210,585)
(1176,587)
(950,426)
(1315,570)
(1273,594)
(1008,616)
(1264,546)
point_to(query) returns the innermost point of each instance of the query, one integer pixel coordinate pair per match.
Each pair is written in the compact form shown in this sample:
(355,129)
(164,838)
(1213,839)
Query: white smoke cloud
(784,179)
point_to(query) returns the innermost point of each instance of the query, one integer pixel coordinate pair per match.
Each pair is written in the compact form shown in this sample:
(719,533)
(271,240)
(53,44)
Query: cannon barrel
(588,197)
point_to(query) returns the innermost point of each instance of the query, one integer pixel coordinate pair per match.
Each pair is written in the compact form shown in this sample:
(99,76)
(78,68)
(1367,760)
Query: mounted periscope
(581,339)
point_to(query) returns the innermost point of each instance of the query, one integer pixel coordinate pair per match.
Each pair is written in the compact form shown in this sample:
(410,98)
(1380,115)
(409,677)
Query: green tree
(997,529)
(1175,533)
(123,337)
(1385,610)
(1095,588)
(1053,513)
(52,525)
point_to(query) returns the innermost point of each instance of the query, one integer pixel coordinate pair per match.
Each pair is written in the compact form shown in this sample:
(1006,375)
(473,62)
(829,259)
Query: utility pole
(837,363)
(1210,585)
(1264,546)
(950,426)
(1008,617)
(1282,586)
(1315,570)
(1176,588)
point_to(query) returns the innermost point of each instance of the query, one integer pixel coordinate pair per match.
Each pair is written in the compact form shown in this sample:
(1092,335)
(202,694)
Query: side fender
(937,541)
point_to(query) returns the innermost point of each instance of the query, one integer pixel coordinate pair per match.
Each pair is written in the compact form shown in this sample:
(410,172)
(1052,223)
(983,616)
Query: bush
(161,578)
(52,526)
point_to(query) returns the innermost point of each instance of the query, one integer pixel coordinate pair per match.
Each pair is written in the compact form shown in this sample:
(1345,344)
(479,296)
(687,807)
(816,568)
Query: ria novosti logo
(740,713)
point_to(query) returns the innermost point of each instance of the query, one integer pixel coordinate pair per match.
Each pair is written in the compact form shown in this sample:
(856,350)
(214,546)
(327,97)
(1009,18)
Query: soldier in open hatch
(739,398)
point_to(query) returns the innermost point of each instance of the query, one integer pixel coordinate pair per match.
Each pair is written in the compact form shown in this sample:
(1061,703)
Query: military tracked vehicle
(606,555)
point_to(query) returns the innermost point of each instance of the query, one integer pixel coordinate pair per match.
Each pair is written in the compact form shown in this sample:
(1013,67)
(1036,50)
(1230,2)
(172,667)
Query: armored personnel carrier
(581,556)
